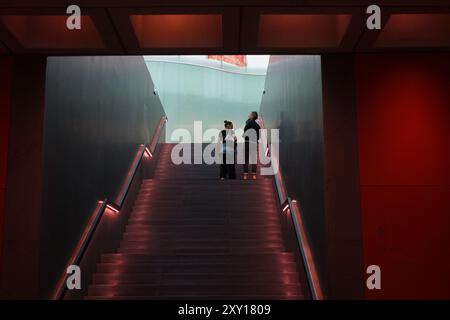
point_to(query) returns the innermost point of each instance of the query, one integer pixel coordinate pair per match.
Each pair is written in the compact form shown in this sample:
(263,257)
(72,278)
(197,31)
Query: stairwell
(192,236)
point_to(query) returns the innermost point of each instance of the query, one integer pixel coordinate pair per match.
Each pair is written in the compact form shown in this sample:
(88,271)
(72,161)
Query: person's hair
(227,123)
(255,115)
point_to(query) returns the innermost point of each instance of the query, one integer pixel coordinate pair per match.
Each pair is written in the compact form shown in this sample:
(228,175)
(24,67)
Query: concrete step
(193,290)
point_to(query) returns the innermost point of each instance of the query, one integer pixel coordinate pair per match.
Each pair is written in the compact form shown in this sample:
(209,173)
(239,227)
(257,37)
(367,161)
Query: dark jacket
(252,124)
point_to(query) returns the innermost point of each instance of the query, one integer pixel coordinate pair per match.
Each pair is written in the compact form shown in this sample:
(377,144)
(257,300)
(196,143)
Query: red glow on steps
(174,246)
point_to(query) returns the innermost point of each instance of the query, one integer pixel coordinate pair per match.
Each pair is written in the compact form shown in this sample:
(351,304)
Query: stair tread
(184,241)
(202,297)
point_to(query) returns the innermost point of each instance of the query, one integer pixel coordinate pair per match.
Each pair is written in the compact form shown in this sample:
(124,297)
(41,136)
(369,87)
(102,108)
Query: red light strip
(311,270)
(110,207)
(155,138)
(148,153)
(95,216)
(308,258)
(126,184)
(282,195)
(102,206)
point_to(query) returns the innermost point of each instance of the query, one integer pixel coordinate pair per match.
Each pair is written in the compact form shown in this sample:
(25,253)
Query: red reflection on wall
(403,114)
(5,100)
(238,60)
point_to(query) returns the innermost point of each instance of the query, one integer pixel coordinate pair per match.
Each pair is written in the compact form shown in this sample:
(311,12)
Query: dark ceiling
(121,27)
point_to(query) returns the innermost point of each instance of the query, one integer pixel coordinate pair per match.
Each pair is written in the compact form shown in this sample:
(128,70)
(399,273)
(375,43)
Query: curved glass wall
(191,93)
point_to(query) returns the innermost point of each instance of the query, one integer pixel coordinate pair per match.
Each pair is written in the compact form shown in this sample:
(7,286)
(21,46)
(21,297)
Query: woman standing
(228,141)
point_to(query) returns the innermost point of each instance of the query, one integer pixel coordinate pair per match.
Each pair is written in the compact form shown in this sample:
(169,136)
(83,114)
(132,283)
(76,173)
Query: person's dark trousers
(247,159)
(227,169)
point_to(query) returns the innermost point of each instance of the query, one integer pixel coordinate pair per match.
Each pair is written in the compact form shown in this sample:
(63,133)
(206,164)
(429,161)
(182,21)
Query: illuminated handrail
(150,149)
(287,204)
(80,248)
(305,247)
(156,136)
(105,205)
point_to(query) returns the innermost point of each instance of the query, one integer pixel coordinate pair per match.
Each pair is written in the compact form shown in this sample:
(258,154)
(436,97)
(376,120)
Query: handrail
(80,248)
(308,258)
(100,209)
(302,239)
(155,139)
(129,178)
(126,186)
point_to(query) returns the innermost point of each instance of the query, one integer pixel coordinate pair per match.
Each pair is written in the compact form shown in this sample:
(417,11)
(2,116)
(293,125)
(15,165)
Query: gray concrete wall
(311,100)
(98,111)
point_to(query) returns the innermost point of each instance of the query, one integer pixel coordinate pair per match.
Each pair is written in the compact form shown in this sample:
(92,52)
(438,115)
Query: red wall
(403,116)
(5,93)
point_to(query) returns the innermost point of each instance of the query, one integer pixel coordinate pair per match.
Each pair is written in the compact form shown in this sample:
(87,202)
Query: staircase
(192,236)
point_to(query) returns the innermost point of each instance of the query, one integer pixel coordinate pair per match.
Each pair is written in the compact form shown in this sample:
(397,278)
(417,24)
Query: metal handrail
(155,139)
(100,209)
(304,245)
(80,248)
(302,238)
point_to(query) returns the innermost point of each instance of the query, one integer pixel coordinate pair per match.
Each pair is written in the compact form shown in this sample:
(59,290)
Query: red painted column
(5,103)
(403,117)
(22,209)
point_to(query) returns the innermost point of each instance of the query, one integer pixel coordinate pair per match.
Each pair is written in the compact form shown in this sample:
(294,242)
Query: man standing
(251,134)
